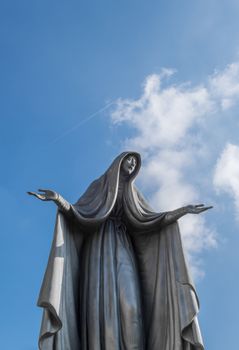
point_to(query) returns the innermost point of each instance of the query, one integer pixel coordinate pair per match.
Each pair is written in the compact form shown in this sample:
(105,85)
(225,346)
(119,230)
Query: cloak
(169,300)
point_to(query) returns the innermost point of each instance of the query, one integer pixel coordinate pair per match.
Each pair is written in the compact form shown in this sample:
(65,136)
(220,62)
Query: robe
(117,277)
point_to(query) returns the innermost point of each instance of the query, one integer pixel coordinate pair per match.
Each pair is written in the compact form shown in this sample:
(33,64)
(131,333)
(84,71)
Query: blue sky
(62,63)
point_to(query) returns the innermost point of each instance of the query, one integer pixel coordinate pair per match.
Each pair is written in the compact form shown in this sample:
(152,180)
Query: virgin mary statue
(116,278)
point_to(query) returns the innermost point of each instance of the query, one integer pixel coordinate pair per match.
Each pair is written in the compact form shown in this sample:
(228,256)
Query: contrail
(69,131)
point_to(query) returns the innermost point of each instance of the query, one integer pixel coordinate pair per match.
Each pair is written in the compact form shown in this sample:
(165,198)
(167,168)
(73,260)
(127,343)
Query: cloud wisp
(169,130)
(226,175)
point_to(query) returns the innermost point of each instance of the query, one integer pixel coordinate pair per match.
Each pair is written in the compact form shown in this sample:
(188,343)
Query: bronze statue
(116,278)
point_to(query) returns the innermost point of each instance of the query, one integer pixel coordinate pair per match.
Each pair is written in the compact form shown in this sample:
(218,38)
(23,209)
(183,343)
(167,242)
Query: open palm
(197,209)
(46,195)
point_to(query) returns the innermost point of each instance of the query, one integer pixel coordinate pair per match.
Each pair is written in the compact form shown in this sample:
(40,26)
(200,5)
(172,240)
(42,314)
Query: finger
(42,190)
(43,198)
(204,209)
(210,207)
(33,194)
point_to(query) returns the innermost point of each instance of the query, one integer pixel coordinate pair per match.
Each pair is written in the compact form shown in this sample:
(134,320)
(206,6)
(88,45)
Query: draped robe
(117,278)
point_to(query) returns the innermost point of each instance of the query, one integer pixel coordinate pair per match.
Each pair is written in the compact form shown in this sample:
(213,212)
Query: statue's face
(129,164)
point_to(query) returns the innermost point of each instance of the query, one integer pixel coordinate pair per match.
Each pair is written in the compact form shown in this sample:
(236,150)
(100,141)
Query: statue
(116,276)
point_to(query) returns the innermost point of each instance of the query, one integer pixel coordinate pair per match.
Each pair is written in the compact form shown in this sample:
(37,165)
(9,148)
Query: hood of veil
(96,204)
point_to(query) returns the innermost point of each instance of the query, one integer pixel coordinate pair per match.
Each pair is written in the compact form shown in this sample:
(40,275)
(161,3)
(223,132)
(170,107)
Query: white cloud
(224,86)
(168,124)
(163,116)
(226,175)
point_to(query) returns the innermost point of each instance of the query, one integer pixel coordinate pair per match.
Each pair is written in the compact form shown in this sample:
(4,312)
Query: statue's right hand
(46,195)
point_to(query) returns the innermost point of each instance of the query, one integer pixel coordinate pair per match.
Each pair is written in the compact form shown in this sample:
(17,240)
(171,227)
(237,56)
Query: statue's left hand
(197,209)
(46,195)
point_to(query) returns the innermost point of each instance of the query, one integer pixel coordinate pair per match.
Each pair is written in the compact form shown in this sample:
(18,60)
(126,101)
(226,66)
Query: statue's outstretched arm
(174,215)
(49,195)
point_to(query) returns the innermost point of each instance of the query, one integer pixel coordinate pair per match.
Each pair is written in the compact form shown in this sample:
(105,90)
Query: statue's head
(129,164)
